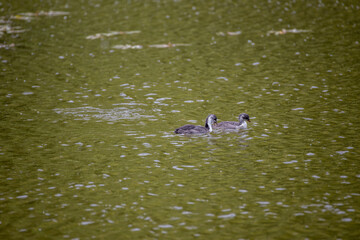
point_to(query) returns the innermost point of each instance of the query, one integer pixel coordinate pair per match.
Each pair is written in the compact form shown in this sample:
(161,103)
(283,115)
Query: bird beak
(249,120)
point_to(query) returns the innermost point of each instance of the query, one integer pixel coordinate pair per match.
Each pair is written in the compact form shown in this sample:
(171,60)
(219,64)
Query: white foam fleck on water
(227,216)
(186,213)
(165,226)
(177,168)
(191,228)
(290,162)
(86,222)
(144,154)
(341,152)
(177,208)
(22,197)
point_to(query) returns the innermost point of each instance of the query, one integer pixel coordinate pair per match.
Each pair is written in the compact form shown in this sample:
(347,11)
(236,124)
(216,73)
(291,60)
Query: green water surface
(87,149)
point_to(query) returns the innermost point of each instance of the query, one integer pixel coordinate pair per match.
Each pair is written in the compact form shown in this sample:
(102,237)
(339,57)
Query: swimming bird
(193,129)
(229,125)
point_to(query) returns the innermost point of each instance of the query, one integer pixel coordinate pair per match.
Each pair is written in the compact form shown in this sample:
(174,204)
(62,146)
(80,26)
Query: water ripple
(87,113)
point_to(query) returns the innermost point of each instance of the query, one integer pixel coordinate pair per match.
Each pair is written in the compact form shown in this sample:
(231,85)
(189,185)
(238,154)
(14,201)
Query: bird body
(230,125)
(194,129)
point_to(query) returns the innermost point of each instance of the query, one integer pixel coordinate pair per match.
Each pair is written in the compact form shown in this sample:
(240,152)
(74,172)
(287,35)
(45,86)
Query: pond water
(91,92)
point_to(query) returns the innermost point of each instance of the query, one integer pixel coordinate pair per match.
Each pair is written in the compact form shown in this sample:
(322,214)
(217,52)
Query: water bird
(193,129)
(230,125)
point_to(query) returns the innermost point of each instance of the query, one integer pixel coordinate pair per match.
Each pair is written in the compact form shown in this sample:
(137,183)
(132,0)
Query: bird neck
(243,123)
(208,126)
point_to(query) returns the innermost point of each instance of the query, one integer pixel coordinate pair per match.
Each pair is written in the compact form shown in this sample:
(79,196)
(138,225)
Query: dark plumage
(229,125)
(193,129)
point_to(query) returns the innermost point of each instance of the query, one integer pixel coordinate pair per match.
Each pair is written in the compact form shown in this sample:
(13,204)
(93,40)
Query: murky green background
(87,148)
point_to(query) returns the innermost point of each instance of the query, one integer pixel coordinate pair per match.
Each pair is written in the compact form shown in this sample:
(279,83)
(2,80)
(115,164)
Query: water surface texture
(91,92)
